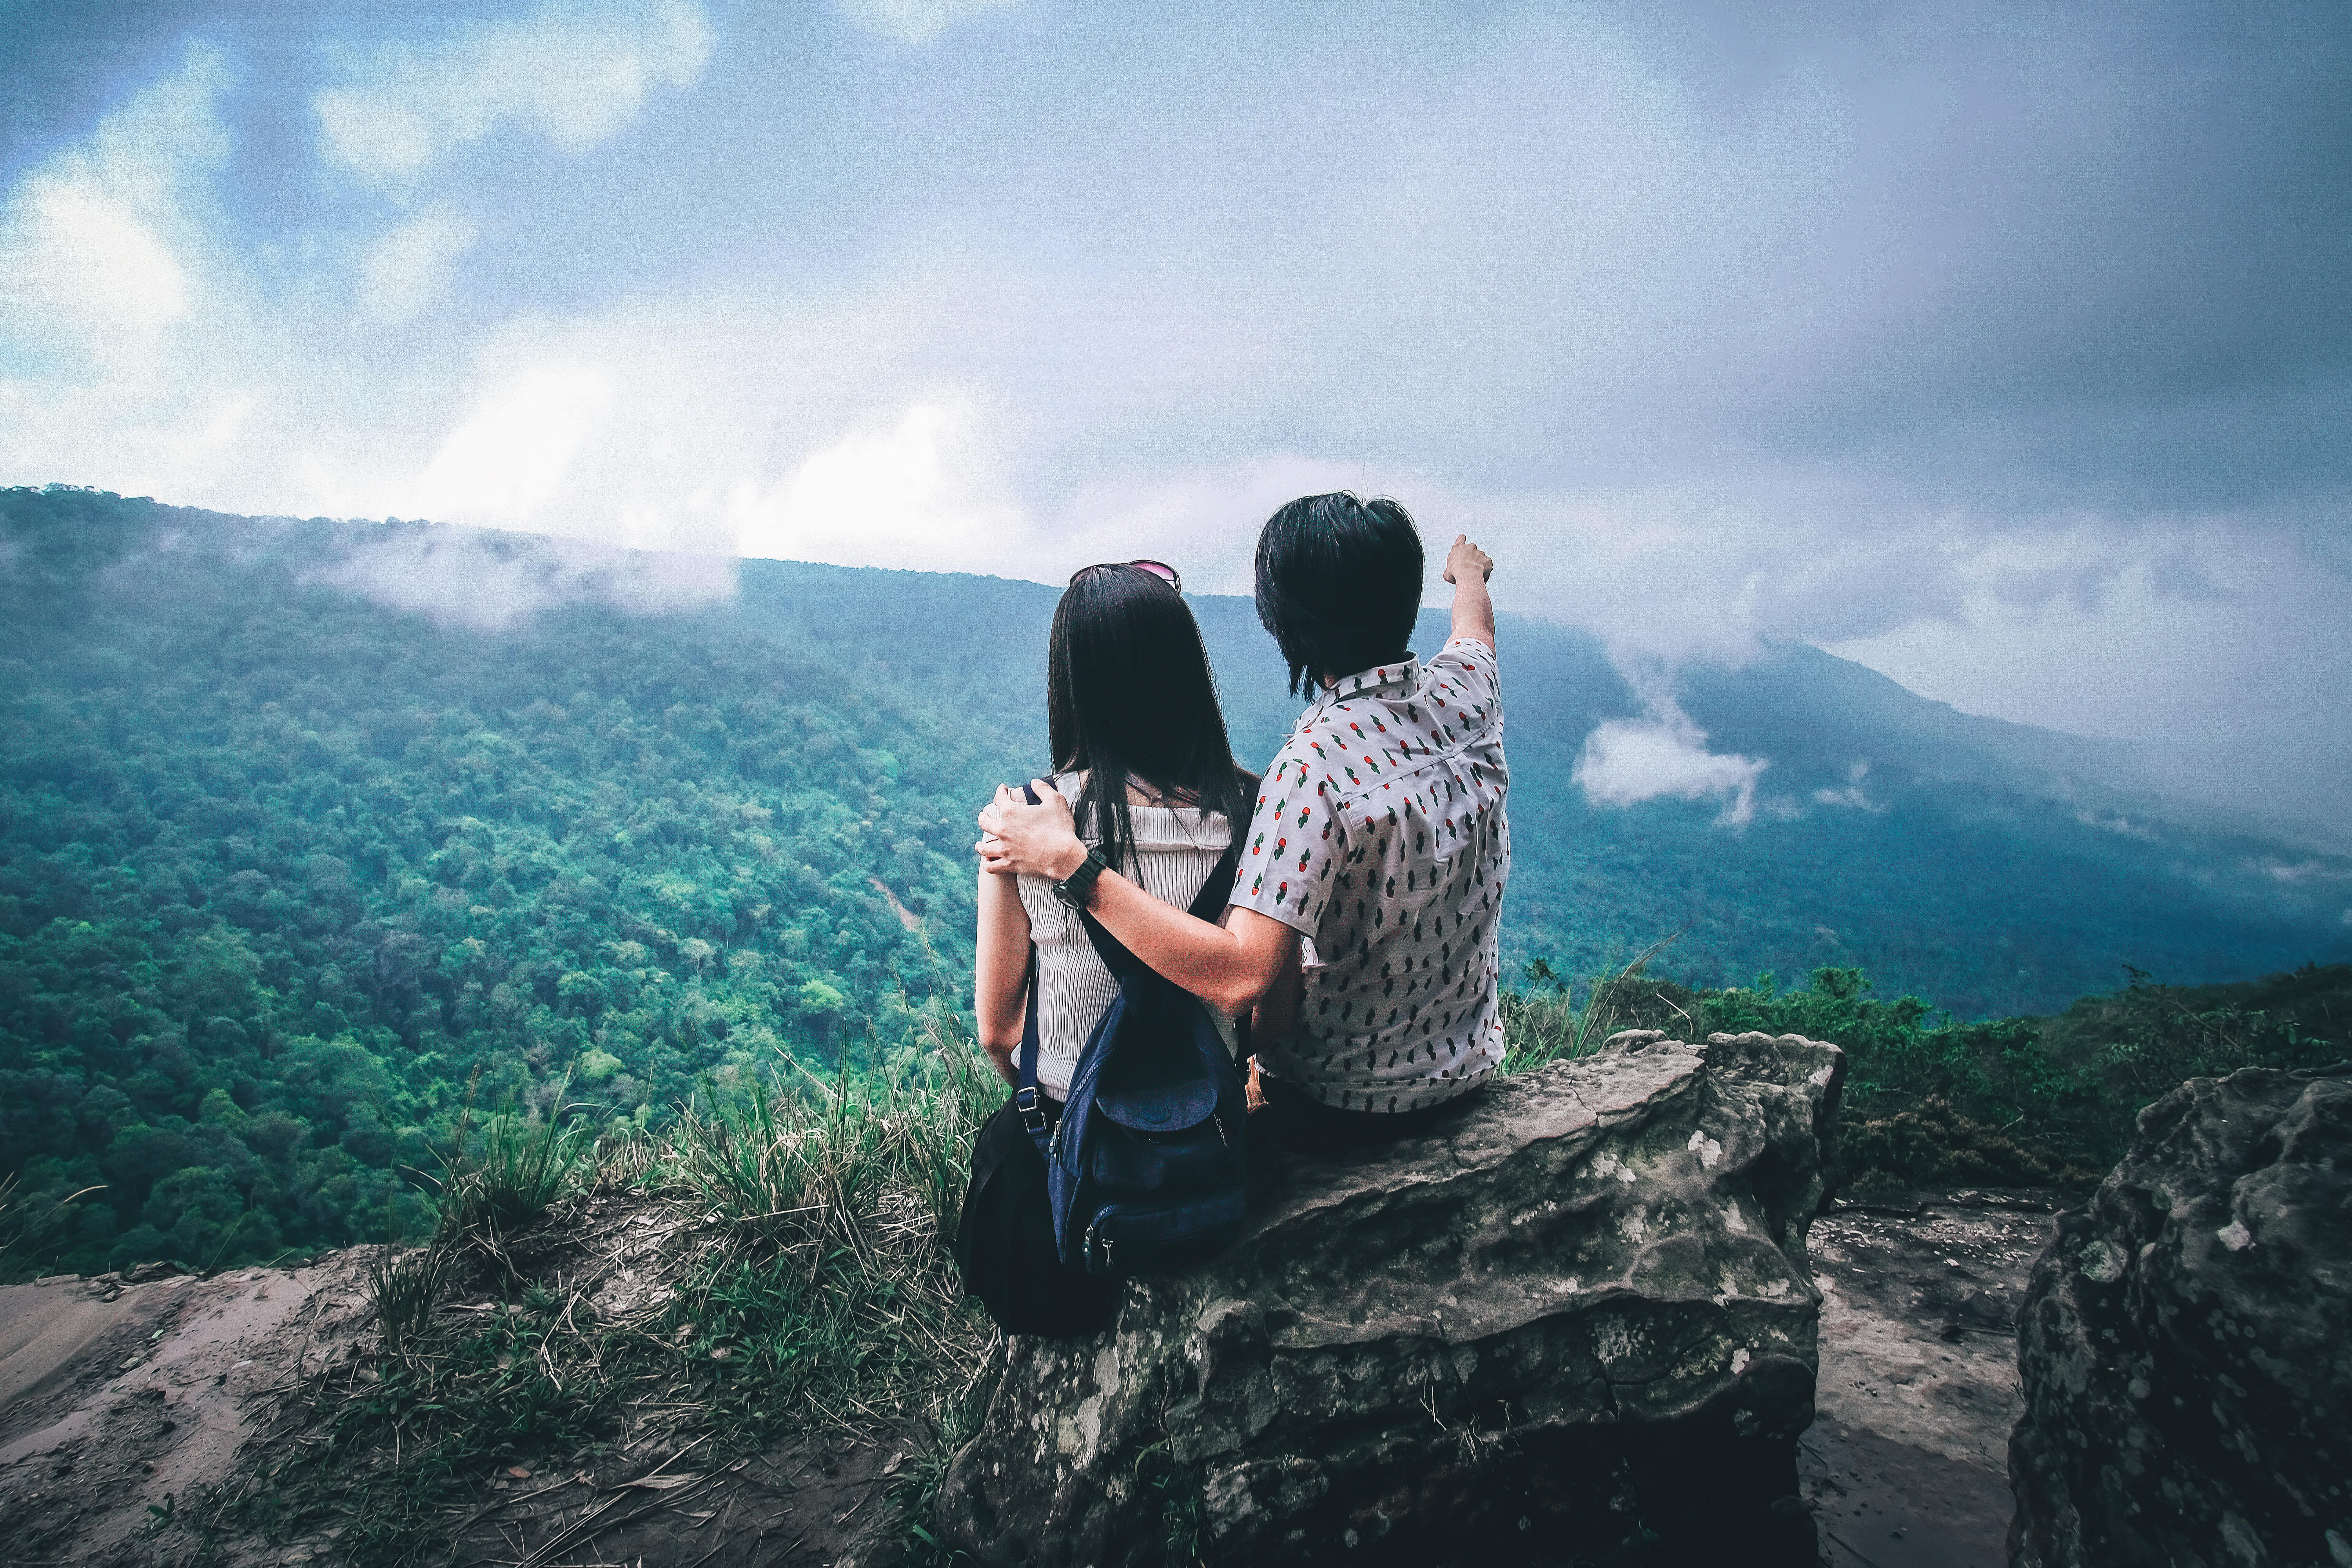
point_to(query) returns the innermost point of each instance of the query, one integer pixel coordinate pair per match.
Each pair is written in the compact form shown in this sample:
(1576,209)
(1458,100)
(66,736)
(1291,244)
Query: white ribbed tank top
(1176,847)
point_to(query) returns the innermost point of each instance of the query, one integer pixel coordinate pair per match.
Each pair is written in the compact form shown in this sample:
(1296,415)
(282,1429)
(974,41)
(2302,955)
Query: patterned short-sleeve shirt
(1381,837)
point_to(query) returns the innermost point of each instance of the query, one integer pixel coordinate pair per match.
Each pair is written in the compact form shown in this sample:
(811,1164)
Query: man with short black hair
(1338,585)
(1363,924)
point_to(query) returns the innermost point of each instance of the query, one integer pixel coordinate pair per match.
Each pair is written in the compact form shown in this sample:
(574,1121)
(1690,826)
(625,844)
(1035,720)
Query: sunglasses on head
(1159,569)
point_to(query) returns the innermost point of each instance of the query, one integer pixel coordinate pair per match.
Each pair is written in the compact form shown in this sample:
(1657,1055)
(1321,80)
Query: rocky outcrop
(2185,1345)
(1577,1324)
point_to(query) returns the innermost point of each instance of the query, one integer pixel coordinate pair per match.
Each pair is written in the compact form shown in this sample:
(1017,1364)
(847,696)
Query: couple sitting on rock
(1355,953)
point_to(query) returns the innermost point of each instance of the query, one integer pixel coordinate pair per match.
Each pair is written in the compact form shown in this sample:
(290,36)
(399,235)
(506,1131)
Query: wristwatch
(1076,888)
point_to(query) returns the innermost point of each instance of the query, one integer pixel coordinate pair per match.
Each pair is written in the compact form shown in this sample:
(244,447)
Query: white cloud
(91,245)
(2116,823)
(515,455)
(82,262)
(2304,873)
(575,74)
(915,21)
(911,489)
(407,271)
(1663,754)
(464,578)
(1853,797)
(118,359)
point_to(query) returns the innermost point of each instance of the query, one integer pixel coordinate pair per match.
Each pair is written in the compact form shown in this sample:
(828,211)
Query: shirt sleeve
(1294,841)
(1465,685)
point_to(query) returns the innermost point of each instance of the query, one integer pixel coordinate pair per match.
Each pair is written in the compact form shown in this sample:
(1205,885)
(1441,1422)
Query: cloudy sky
(2007,347)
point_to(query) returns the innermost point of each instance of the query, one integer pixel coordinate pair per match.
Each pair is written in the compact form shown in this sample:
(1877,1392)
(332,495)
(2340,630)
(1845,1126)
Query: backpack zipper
(1219,1119)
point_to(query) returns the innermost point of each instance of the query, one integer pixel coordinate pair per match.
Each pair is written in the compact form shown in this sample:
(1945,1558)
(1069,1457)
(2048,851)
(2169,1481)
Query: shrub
(1933,1144)
(2005,1101)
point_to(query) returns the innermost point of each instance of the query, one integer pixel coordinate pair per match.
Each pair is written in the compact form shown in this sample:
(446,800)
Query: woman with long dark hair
(1141,754)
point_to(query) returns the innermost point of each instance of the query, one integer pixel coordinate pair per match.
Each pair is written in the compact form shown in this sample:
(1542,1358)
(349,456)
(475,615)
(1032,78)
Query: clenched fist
(1466,557)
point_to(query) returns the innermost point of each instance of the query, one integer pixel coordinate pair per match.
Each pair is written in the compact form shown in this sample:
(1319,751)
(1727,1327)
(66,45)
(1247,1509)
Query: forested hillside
(304,824)
(284,867)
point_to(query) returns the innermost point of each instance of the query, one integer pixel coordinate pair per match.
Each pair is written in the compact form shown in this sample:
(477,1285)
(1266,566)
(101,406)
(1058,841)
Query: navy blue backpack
(1144,1170)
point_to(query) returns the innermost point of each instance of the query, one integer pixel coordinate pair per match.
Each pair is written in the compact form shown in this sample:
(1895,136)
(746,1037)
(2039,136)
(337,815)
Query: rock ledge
(2185,1345)
(1577,1325)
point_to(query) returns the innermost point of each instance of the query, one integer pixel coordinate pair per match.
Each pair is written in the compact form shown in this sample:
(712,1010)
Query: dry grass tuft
(518,1165)
(23,1223)
(404,1287)
(772,1266)
(1541,1027)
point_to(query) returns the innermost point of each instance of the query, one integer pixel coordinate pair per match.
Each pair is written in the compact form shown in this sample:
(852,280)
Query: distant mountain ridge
(1828,705)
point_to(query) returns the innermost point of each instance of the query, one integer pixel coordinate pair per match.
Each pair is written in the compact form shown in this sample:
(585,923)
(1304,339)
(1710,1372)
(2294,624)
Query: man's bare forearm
(1467,567)
(1229,967)
(1473,613)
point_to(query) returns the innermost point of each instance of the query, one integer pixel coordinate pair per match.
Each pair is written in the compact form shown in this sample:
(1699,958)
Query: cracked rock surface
(2186,1347)
(1576,1324)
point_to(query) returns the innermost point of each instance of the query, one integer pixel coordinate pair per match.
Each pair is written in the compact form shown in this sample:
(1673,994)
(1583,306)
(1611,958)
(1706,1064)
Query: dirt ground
(1906,1465)
(122,1400)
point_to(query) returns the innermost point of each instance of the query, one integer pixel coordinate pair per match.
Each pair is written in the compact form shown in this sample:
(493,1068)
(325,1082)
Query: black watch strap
(1076,888)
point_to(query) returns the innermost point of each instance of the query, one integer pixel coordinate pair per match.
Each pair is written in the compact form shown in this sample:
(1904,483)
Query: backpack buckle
(1033,1114)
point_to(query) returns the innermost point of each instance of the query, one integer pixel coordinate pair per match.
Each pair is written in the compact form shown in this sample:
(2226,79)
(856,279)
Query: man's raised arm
(1467,567)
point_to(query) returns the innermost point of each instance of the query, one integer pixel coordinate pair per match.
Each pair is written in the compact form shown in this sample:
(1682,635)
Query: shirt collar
(1400,679)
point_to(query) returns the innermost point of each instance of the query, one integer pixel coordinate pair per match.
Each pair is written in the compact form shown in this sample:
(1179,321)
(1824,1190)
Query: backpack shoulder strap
(1219,888)
(1027,1097)
(1215,889)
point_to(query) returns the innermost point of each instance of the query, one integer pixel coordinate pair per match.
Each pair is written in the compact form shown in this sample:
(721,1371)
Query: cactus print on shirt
(1381,837)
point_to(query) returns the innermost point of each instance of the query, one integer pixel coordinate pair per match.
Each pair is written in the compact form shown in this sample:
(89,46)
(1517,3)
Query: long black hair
(1338,585)
(1129,699)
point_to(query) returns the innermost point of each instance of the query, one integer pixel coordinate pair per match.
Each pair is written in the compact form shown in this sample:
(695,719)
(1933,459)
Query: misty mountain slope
(283,864)
(1796,701)
(1986,900)
(1799,700)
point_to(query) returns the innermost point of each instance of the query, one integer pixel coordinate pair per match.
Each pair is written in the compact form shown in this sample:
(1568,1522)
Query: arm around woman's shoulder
(1229,966)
